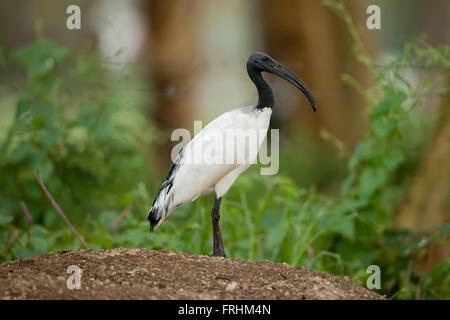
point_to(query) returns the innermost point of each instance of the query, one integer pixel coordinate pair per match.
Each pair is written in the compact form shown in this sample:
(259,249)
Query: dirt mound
(147,274)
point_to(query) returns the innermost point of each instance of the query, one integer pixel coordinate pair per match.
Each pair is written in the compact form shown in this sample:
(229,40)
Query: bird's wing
(205,161)
(230,141)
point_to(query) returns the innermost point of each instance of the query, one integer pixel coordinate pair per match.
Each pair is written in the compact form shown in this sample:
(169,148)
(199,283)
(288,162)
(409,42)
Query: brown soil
(147,274)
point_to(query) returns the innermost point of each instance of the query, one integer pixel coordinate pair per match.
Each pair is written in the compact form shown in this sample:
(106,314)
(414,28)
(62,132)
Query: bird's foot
(223,255)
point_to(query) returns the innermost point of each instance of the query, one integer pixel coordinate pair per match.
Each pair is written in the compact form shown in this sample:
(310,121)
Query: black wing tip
(153,220)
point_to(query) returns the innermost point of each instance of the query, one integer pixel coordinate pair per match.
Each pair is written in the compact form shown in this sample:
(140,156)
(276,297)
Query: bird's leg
(219,251)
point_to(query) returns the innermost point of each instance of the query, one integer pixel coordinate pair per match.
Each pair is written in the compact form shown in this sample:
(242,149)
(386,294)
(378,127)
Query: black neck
(265,95)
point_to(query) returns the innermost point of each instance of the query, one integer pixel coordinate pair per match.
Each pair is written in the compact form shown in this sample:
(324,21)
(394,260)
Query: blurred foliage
(94,146)
(74,122)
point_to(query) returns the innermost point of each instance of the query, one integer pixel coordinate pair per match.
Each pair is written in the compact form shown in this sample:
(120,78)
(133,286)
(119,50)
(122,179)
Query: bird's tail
(154,217)
(161,206)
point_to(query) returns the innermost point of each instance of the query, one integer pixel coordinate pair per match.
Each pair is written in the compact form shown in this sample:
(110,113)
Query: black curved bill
(283,72)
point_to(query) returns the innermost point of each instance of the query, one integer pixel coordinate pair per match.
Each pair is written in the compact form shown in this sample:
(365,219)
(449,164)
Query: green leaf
(365,151)
(289,188)
(380,110)
(395,98)
(384,127)
(40,58)
(346,228)
(392,159)
(371,179)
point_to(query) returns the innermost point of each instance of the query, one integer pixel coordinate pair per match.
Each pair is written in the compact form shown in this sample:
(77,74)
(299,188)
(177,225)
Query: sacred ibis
(187,180)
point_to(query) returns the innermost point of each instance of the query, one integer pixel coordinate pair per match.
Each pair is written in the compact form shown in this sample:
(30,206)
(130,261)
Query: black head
(262,62)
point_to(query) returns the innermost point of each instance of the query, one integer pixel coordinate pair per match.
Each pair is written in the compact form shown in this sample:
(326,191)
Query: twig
(119,218)
(10,242)
(58,209)
(29,219)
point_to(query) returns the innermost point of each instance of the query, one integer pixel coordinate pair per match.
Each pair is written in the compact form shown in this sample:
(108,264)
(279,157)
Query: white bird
(198,171)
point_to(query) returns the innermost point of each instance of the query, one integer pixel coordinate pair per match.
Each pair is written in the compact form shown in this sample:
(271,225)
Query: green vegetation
(93,146)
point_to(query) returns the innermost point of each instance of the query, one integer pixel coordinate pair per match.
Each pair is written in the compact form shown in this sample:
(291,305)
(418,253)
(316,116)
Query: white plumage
(189,180)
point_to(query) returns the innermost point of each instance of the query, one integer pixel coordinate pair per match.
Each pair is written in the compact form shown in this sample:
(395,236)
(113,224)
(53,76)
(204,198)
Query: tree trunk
(174,55)
(427,202)
(315,44)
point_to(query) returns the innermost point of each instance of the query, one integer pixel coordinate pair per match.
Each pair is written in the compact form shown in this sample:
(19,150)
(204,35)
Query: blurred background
(365,180)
